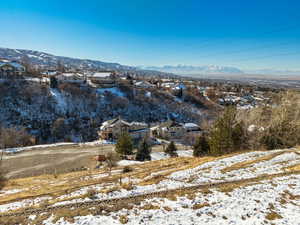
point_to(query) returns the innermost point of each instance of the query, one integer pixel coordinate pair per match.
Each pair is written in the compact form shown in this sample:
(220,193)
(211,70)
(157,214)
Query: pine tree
(171,150)
(144,151)
(201,146)
(239,136)
(124,144)
(221,134)
(53,82)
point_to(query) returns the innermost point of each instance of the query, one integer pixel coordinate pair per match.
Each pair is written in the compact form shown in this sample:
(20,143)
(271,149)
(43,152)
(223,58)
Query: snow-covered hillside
(46,60)
(259,187)
(74,112)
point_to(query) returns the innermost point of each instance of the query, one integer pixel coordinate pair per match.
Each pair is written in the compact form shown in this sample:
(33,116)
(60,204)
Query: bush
(15,137)
(124,144)
(271,141)
(201,147)
(112,160)
(127,169)
(2,178)
(171,150)
(91,193)
(278,125)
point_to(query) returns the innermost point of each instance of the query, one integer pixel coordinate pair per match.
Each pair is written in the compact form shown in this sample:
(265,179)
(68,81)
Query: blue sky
(246,34)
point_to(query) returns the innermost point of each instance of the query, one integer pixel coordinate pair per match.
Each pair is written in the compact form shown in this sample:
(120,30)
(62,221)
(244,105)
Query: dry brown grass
(293,168)
(150,207)
(48,185)
(273,216)
(248,163)
(200,205)
(123,219)
(127,186)
(69,215)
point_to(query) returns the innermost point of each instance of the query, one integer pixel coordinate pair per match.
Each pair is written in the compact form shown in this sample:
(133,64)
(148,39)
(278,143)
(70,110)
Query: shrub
(111,160)
(2,177)
(127,169)
(91,193)
(278,125)
(171,149)
(15,137)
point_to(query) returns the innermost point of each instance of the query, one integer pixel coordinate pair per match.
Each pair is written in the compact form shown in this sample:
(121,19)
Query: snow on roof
(190,125)
(179,86)
(14,64)
(101,74)
(143,83)
(138,124)
(71,74)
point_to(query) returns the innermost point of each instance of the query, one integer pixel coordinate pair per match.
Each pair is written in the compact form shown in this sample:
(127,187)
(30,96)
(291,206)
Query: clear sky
(248,34)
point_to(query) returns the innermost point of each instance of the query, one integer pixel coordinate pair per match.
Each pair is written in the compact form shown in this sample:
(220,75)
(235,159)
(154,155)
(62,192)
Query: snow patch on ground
(60,100)
(113,90)
(20,149)
(246,205)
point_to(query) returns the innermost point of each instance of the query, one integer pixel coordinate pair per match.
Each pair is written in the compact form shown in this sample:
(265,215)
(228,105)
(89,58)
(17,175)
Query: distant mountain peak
(189,70)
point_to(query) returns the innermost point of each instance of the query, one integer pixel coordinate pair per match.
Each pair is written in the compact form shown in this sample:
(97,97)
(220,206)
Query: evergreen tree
(239,136)
(221,134)
(201,146)
(124,144)
(53,82)
(171,150)
(144,151)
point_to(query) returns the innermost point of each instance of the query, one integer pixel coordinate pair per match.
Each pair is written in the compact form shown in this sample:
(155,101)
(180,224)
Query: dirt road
(58,159)
(51,160)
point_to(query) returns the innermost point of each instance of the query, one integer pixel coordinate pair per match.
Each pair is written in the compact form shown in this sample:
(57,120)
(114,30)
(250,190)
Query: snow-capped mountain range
(46,60)
(190,70)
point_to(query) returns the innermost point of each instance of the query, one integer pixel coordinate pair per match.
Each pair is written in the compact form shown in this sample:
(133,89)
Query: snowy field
(247,205)
(271,200)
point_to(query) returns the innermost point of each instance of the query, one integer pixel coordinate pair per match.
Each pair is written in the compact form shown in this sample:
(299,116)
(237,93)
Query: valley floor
(258,187)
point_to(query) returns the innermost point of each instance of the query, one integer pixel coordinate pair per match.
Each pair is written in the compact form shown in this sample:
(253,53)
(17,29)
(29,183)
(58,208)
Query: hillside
(46,61)
(259,187)
(74,112)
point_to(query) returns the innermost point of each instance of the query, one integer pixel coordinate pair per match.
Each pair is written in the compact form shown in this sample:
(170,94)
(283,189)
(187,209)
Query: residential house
(105,79)
(143,84)
(10,69)
(170,130)
(191,127)
(70,77)
(174,130)
(112,129)
(50,72)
